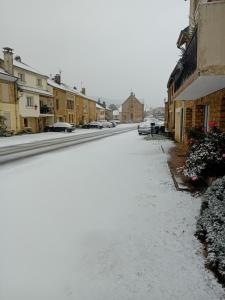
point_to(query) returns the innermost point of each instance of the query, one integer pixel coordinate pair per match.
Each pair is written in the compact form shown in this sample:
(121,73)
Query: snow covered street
(100,221)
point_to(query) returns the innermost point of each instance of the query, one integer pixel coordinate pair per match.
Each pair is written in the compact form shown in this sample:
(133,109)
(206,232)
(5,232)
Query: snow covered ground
(100,221)
(27,138)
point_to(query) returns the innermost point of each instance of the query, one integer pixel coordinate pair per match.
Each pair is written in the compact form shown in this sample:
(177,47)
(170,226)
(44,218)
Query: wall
(8,105)
(31,78)
(211,38)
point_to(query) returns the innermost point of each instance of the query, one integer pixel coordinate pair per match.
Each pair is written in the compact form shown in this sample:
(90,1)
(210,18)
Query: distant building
(132,110)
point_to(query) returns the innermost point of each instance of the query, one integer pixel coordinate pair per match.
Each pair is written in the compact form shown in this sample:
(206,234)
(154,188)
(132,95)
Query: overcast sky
(112,46)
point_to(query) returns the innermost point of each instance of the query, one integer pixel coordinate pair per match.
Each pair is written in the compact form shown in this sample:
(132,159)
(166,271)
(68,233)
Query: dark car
(93,125)
(60,126)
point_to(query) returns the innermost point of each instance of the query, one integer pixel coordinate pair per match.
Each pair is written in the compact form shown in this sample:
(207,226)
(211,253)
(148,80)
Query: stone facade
(132,110)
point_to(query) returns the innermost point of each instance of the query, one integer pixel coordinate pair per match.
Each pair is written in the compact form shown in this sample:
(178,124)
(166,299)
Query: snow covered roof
(35,90)
(6,76)
(24,66)
(62,86)
(99,106)
(27,67)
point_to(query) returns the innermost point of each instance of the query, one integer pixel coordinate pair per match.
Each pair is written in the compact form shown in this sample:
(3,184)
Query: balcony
(201,70)
(188,63)
(46,110)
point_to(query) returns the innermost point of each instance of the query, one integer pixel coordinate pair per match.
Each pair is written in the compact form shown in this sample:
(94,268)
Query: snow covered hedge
(206,156)
(211,227)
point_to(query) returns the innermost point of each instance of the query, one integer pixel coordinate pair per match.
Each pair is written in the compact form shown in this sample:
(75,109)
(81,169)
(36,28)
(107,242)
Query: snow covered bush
(206,156)
(211,227)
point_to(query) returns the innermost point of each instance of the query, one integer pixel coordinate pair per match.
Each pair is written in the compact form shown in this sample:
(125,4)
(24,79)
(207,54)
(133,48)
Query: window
(30,102)
(206,118)
(70,104)
(57,104)
(21,77)
(39,82)
(25,122)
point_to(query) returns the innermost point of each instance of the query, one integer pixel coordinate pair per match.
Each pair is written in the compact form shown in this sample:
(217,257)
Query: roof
(183,36)
(62,86)
(99,106)
(35,90)
(133,97)
(24,66)
(6,76)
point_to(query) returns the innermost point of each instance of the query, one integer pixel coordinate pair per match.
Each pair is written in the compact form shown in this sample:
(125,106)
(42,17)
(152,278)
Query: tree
(113,107)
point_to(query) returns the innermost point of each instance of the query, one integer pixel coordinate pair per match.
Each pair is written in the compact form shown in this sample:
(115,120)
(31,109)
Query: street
(100,221)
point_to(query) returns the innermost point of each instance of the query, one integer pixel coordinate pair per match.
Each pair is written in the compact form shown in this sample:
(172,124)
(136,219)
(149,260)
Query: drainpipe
(183,131)
(17,99)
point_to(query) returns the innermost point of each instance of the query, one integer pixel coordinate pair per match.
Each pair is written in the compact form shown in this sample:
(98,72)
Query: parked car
(144,128)
(151,128)
(113,123)
(93,125)
(107,124)
(60,126)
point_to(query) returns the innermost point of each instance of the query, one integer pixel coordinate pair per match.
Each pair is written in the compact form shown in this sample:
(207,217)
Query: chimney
(18,58)
(83,91)
(8,60)
(57,78)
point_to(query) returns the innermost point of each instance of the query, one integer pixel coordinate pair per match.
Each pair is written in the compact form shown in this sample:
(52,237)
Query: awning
(202,86)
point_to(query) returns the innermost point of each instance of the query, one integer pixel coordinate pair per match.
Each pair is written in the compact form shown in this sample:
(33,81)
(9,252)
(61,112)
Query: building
(86,108)
(132,110)
(196,87)
(64,100)
(116,115)
(108,114)
(35,102)
(8,100)
(100,112)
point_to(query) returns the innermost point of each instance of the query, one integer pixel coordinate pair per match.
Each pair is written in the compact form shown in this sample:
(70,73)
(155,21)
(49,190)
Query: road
(97,221)
(47,143)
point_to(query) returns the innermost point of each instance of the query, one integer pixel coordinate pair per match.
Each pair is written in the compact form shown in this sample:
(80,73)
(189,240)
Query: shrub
(211,227)
(206,156)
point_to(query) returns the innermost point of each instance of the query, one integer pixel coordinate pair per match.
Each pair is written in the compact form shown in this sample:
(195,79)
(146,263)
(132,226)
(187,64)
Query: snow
(29,138)
(100,221)
(35,90)
(99,106)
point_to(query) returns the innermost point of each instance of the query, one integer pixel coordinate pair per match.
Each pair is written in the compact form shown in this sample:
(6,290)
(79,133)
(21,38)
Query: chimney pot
(57,78)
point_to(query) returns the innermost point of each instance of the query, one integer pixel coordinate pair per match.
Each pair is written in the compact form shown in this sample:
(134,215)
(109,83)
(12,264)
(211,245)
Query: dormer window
(39,82)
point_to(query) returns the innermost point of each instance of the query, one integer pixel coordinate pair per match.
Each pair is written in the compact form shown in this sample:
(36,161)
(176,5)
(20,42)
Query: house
(196,87)
(64,100)
(116,115)
(108,114)
(132,110)
(35,102)
(100,112)
(8,100)
(86,108)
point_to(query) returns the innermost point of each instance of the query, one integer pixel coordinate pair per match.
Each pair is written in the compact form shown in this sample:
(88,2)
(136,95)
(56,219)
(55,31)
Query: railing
(46,110)
(188,63)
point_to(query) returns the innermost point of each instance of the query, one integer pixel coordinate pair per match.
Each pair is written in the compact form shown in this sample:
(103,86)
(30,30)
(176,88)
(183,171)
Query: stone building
(8,100)
(132,110)
(64,100)
(35,102)
(196,87)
